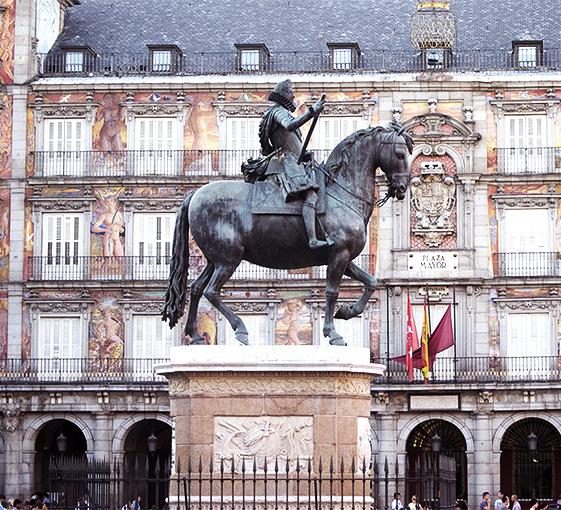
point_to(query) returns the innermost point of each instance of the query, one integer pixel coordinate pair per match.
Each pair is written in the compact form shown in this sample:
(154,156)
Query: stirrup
(316,244)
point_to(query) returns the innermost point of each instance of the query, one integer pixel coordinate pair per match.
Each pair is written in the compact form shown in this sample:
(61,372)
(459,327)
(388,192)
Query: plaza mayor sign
(433,264)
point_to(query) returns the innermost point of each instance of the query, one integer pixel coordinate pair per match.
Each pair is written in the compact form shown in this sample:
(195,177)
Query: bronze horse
(227,232)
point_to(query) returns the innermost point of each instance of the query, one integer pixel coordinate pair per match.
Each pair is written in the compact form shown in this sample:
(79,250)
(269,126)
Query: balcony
(376,60)
(544,264)
(469,370)
(529,160)
(80,370)
(133,163)
(97,269)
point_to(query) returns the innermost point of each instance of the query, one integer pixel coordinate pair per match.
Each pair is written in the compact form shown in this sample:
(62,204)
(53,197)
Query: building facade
(106,129)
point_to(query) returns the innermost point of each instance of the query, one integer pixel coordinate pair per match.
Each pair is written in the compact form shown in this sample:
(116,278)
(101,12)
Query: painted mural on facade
(3,325)
(4,233)
(294,323)
(6,138)
(107,224)
(106,339)
(7,40)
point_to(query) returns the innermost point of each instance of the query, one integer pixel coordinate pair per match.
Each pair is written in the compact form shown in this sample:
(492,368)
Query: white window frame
(70,264)
(533,364)
(342,58)
(527,265)
(74,61)
(226,335)
(250,59)
(65,154)
(157,258)
(51,367)
(161,61)
(334,128)
(238,147)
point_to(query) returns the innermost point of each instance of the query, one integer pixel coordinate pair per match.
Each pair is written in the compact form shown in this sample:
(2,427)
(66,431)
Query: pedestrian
(559,501)
(534,504)
(396,503)
(2,502)
(127,505)
(136,503)
(413,505)
(505,503)
(515,503)
(499,501)
(485,501)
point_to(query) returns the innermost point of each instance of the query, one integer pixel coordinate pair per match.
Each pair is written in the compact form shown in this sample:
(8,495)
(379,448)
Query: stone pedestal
(297,404)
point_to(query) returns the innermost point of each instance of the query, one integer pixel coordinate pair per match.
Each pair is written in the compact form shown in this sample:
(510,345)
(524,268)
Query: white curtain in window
(152,238)
(64,143)
(151,342)
(62,246)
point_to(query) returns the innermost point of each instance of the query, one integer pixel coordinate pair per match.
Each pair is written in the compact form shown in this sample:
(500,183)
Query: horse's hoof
(242,337)
(337,340)
(344,312)
(197,340)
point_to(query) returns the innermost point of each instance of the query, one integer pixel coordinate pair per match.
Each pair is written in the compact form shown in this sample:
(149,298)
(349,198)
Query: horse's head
(393,159)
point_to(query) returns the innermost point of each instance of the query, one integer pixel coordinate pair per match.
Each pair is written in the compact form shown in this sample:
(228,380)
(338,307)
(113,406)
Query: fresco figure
(110,132)
(110,223)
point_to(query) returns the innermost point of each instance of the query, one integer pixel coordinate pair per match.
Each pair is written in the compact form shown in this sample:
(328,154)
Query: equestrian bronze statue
(276,218)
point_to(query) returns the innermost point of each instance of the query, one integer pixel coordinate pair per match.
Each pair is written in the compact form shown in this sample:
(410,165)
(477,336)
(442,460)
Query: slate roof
(127,26)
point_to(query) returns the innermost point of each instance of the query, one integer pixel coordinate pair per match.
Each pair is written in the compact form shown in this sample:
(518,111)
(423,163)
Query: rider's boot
(309,215)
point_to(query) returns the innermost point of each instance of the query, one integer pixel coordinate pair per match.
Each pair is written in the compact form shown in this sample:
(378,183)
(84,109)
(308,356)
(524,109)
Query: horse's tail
(179,266)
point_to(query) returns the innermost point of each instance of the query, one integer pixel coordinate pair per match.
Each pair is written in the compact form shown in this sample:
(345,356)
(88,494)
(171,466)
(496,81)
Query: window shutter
(331,130)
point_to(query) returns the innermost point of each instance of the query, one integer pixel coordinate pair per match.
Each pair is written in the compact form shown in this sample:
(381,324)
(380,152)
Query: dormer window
(527,53)
(252,57)
(436,58)
(344,56)
(164,59)
(78,59)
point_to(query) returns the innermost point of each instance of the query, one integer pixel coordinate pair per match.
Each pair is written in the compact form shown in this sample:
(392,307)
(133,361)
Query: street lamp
(435,443)
(152,443)
(532,442)
(61,442)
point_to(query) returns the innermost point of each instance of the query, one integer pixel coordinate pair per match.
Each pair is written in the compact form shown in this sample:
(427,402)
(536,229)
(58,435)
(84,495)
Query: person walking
(499,501)
(413,505)
(515,503)
(396,503)
(485,501)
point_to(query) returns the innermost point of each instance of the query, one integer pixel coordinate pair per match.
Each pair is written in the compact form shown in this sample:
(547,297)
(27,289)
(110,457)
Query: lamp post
(436,443)
(152,443)
(532,442)
(61,442)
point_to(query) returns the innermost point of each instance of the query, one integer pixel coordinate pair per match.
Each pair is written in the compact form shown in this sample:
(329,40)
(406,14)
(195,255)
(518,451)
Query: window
(330,130)
(152,238)
(64,146)
(352,331)
(150,343)
(256,327)
(527,347)
(62,247)
(527,53)
(344,56)
(59,346)
(242,142)
(164,59)
(526,244)
(74,61)
(436,58)
(526,142)
(252,57)
(156,143)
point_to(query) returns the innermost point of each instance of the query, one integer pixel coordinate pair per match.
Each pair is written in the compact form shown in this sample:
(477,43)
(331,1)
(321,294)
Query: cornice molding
(240,108)
(133,110)
(434,122)
(549,106)
(65,110)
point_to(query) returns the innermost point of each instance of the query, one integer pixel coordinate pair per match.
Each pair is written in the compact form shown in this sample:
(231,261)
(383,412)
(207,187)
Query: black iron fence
(81,370)
(299,484)
(99,268)
(56,63)
(528,160)
(446,370)
(476,369)
(542,263)
(136,163)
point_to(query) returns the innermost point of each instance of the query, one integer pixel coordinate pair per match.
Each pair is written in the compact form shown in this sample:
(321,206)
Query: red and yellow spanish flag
(425,334)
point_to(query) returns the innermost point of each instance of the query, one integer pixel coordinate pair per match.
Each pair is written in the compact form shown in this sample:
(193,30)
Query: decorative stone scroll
(433,196)
(263,438)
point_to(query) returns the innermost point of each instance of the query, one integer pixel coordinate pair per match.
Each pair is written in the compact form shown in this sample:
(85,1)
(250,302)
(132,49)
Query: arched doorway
(436,448)
(531,460)
(147,462)
(58,444)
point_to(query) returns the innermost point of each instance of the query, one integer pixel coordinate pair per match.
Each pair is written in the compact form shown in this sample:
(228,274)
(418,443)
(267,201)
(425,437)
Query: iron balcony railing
(529,264)
(528,160)
(202,63)
(84,370)
(492,369)
(101,268)
(134,163)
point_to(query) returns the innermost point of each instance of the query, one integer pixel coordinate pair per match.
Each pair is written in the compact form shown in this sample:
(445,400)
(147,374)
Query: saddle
(266,197)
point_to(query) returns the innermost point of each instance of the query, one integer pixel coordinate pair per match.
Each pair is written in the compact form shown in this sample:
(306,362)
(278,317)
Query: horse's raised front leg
(219,277)
(337,265)
(196,292)
(357,273)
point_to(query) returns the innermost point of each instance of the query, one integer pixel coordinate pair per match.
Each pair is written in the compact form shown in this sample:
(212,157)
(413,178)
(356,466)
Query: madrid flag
(412,341)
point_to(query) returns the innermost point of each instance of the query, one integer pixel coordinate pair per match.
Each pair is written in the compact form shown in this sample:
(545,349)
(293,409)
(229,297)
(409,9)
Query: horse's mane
(339,158)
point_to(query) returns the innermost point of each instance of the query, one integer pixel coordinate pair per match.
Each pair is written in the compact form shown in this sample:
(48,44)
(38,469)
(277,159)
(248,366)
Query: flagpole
(455,341)
(428,313)
(388,333)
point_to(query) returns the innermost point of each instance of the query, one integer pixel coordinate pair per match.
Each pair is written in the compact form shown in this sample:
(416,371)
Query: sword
(309,135)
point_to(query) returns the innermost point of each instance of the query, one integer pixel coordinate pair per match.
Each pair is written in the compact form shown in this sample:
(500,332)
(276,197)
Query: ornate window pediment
(525,200)
(53,204)
(64,110)
(438,126)
(240,109)
(348,108)
(522,305)
(159,109)
(146,204)
(547,106)
(60,307)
